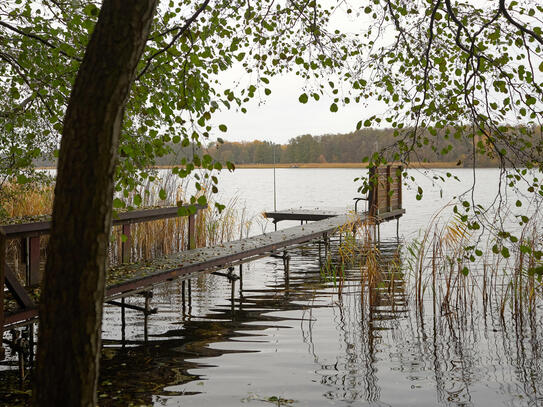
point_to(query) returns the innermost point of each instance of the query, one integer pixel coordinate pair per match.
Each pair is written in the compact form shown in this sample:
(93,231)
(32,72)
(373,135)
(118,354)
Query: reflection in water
(319,341)
(366,344)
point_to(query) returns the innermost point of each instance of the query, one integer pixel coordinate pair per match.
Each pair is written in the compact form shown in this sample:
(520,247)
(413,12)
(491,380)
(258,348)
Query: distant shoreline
(450,164)
(435,164)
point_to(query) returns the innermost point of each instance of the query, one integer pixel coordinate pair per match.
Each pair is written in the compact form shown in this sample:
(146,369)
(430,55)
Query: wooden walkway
(384,204)
(128,279)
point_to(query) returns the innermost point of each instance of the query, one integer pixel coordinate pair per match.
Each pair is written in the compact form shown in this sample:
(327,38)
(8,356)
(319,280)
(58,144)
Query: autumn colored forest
(342,148)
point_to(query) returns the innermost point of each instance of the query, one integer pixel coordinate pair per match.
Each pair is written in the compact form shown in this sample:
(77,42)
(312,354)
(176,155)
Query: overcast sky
(282,117)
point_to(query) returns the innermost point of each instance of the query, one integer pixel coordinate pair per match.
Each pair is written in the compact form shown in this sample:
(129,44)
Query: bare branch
(522,28)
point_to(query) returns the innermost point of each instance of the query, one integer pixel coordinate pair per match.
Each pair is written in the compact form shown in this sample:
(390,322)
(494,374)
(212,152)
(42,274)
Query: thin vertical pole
(183,298)
(146,312)
(2,282)
(274,185)
(232,295)
(123,322)
(240,280)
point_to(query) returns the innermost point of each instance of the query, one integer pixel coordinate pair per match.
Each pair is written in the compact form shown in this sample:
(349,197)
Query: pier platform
(129,279)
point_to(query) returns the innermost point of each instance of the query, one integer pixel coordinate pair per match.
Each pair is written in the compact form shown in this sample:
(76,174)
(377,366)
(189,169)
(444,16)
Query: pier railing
(29,233)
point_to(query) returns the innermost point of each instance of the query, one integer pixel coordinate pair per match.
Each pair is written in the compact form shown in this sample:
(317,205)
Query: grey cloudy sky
(281,116)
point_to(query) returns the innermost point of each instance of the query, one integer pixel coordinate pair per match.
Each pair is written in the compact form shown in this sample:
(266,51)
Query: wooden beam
(143,215)
(16,288)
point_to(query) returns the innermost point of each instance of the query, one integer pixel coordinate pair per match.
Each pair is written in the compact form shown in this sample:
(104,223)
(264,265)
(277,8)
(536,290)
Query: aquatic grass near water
(440,273)
(32,202)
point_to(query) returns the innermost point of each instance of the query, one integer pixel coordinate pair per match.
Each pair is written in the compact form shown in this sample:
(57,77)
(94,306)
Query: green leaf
(223,128)
(202,200)
(137,199)
(117,203)
(333,108)
(303,98)
(162,194)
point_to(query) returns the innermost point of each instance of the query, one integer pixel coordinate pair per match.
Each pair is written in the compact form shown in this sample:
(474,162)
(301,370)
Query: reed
(30,202)
(167,236)
(442,274)
(25,200)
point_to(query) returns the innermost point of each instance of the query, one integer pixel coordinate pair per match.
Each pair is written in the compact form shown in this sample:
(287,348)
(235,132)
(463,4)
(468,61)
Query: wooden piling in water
(2,279)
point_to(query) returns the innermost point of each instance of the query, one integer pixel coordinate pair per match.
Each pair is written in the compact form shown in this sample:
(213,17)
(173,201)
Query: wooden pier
(128,279)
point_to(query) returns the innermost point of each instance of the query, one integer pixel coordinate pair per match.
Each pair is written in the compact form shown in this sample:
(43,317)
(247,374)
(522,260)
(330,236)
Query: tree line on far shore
(344,148)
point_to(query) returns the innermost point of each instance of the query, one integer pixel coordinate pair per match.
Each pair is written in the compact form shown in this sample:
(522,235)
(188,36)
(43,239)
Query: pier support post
(189,290)
(232,295)
(183,298)
(2,282)
(123,322)
(126,244)
(320,255)
(286,266)
(240,280)
(30,339)
(146,312)
(398,229)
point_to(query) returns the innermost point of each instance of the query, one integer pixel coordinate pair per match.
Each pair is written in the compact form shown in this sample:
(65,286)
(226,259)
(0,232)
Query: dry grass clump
(25,200)
(25,203)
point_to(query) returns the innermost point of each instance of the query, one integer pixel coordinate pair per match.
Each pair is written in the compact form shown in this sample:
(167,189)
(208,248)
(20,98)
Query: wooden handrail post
(34,275)
(389,205)
(126,244)
(191,243)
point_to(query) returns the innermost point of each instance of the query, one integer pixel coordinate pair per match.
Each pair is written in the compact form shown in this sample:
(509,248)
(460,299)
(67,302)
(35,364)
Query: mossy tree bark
(73,287)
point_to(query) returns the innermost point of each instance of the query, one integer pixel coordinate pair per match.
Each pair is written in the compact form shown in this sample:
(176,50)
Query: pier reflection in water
(315,340)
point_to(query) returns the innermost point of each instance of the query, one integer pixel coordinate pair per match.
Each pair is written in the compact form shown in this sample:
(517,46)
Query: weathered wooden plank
(144,215)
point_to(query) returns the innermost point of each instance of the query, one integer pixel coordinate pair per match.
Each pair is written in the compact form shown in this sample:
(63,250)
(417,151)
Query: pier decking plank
(303,214)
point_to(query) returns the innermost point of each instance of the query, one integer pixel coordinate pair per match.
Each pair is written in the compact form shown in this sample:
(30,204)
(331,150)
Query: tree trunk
(73,287)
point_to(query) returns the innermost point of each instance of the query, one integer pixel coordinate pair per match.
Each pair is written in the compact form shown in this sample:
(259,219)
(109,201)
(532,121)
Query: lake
(309,339)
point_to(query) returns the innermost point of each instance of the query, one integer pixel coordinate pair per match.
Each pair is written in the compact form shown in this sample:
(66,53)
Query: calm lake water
(308,340)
